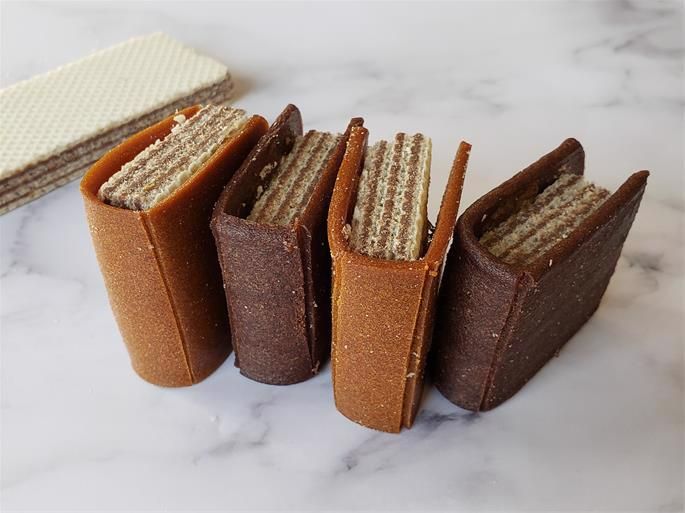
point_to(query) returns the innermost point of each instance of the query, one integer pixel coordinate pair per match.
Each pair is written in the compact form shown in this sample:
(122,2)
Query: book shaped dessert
(148,203)
(530,263)
(387,265)
(57,124)
(270,231)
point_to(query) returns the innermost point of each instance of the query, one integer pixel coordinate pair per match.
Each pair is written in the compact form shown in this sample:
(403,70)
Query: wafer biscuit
(159,263)
(270,230)
(164,166)
(55,125)
(390,213)
(383,306)
(529,266)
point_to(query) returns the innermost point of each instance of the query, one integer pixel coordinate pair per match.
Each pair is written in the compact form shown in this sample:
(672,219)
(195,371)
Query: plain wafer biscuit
(55,125)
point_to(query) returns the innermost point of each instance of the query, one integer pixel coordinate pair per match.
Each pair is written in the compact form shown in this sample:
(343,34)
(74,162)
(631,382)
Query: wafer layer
(57,124)
(550,218)
(294,179)
(55,171)
(155,173)
(390,215)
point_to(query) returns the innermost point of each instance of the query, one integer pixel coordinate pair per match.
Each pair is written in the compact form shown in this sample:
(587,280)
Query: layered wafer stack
(57,124)
(294,178)
(159,170)
(530,263)
(149,202)
(270,230)
(551,217)
(390,214)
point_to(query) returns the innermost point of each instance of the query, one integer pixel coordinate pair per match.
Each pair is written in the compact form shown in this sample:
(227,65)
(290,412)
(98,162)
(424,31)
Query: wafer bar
(529,267)
(384,294)
(57,124)
(148,203)
(270,231)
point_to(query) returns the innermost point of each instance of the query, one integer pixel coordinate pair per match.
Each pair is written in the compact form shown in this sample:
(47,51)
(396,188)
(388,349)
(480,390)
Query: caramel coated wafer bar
(384,294)
(149,202)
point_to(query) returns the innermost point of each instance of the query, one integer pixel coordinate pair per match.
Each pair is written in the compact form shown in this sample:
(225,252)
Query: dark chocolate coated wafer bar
(501,318)
(277,274)
(160,265)
(383,310)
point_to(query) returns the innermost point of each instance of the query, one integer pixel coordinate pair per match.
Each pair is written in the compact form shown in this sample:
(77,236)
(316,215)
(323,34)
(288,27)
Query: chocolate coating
(498,324)
(277,278)
(159,265)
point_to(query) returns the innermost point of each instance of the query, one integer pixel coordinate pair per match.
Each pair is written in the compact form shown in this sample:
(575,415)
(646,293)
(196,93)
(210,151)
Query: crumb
(266,170)
(347,231)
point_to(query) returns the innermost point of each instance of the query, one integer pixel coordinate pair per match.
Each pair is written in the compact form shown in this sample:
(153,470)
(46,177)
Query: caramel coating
(383,310)
(160,265)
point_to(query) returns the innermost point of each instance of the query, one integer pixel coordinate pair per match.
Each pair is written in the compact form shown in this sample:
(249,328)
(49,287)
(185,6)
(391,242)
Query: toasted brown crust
(160,265)
(498,324)
(383,310)
(277,278)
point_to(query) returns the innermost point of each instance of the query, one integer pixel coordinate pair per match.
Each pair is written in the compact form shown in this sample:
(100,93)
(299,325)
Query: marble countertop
(599,428)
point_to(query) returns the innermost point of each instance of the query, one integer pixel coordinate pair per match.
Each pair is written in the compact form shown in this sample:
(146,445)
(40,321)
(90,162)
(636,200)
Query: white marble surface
(600,428)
